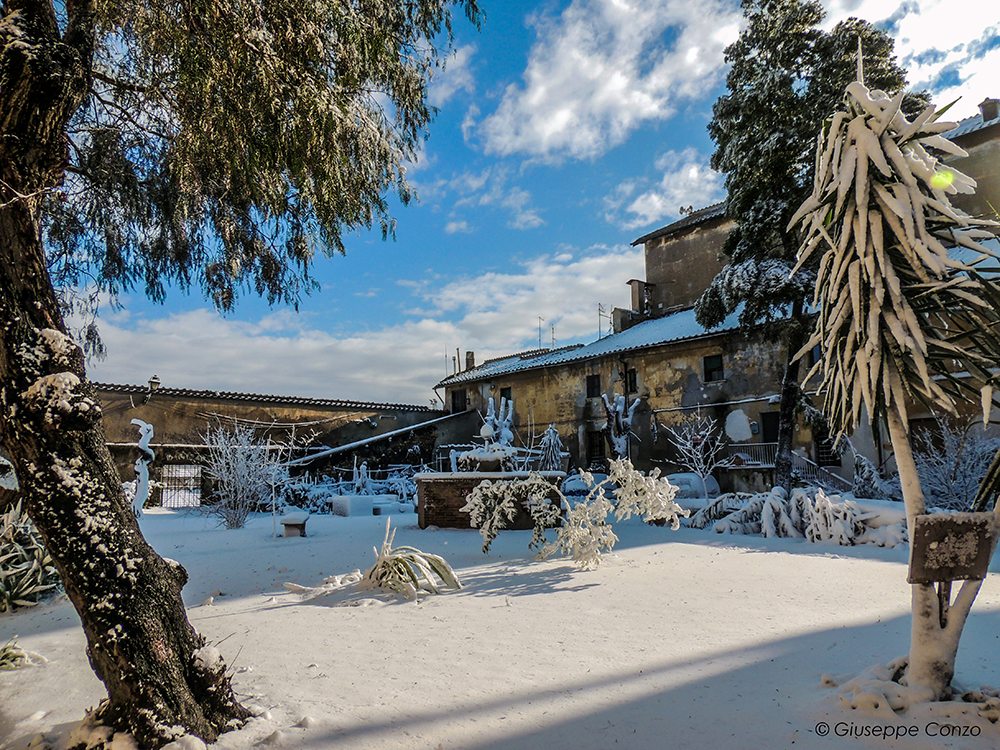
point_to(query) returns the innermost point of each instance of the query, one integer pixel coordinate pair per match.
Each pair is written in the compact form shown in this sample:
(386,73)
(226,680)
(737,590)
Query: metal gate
(180,486)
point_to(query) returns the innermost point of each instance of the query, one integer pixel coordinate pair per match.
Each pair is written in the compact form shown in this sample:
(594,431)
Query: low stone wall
(441,496)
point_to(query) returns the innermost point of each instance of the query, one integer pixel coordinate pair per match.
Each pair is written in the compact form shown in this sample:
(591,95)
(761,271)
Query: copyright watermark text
(853,730)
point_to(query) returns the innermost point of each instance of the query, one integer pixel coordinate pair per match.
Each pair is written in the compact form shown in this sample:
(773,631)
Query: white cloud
(454,77)
(951,47)
(282,353)
(453,227)
(687,181)
(605,67)
(490,188)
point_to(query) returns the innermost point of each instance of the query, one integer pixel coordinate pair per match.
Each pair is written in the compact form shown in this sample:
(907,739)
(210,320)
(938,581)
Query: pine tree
(205,143)
(786,75)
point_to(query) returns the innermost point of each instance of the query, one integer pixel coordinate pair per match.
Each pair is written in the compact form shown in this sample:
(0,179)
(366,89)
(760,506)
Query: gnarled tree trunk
(140,642)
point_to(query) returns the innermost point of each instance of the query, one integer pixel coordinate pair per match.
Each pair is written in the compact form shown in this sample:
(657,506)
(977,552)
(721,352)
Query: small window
(713,368)
(505,394)
(632,381)
(593,386)
(458,401)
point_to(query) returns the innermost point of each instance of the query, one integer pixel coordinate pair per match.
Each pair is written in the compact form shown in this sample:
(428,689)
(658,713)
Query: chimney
(989,108)
(470,360)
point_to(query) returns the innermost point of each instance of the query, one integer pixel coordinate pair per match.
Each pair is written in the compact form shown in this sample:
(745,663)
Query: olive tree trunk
(139,641)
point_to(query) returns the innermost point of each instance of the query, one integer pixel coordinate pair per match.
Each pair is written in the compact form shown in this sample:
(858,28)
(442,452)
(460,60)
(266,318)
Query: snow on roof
(228,396)
(650,333)
(970,125)
(700,216)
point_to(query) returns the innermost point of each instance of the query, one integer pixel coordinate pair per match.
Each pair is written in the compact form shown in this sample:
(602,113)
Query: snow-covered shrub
(807,513)
(552,450)
(248,472)
(407,570)
(12,656)
(27,573)
(950,474)
(493,505)
(586,533)
(868,481)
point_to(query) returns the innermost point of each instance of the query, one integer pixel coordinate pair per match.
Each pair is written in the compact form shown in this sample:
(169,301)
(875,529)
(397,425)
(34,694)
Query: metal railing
(753,454)
(762,455)
(815,474)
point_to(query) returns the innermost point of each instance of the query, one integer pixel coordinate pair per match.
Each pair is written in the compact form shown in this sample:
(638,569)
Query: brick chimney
(470,360)
(989,109)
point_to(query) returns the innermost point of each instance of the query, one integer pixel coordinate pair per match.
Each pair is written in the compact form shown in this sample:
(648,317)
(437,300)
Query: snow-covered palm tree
(907,312)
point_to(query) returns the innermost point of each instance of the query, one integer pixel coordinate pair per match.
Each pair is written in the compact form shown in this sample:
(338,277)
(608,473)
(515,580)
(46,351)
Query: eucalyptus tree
(786,73)
(205,143)
(908,305)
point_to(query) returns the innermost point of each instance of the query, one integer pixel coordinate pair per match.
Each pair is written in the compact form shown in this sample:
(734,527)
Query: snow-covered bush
(407,570)
(586,533)
(248,471)
(493,505)
(869,482)
(950,473)
(551,450)
(808,513)
(27,573)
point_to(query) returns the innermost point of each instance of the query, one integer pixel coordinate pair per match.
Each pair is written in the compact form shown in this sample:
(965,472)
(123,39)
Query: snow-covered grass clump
(808,514)
(407,570)
(27,573)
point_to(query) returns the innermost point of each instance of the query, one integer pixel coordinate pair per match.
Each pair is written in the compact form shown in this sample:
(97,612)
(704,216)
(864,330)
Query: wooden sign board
(951,547)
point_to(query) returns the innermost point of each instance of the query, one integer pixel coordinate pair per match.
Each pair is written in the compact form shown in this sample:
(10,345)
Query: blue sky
(566,130)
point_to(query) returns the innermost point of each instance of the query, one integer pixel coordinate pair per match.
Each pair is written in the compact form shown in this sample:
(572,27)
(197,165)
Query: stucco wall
(671,386)
(680,266)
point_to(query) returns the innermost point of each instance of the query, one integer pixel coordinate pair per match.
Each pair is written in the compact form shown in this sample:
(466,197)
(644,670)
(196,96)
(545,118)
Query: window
(593,386)
(505,394)
(181,486)
(825,453)
(458,401)
(713,368)
(815,354)
(595,450)
(632,380)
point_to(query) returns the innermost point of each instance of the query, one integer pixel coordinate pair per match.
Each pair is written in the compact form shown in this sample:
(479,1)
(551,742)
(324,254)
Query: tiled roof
(970,125)
(261,398)
(700,216)
(650,333)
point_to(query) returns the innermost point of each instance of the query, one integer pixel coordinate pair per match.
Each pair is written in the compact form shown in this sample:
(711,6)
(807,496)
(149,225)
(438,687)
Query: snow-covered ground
(684,639)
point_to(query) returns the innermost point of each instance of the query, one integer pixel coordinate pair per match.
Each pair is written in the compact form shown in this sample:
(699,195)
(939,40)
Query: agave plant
(407,570)
(26,569)
(12,656)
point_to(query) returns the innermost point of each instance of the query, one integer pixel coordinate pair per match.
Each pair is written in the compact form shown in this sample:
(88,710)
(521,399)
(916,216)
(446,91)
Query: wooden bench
(295,524)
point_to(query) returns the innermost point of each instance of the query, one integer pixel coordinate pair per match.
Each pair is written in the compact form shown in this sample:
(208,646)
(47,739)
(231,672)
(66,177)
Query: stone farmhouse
(332,430)
(659,355)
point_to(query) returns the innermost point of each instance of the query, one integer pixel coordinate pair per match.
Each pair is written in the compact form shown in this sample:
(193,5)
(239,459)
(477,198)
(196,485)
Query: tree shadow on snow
(763,696)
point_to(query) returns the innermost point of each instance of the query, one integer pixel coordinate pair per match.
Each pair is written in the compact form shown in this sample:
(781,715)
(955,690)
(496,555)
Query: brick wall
(440,497)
